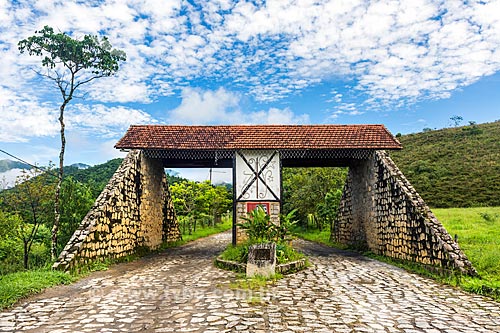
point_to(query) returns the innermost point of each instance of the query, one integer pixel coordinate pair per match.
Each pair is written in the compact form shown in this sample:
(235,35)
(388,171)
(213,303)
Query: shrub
(489,217)
(239,253)
(285,253)
(258,226)
(260,229)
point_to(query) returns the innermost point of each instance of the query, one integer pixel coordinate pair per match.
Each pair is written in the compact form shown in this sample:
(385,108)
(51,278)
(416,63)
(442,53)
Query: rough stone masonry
(134,211)
(382,212)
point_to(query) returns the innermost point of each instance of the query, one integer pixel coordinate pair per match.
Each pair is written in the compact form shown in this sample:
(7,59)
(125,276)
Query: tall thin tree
(70,63)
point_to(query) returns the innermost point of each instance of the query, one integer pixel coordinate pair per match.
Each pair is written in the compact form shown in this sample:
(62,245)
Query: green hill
(454,167)
(98,175)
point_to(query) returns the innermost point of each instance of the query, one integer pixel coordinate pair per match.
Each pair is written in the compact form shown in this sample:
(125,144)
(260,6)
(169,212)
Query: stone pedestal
(261,260)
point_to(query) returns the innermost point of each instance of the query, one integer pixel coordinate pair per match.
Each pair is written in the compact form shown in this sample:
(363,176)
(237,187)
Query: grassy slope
(478,231)
(100,173)
(20,284)
(454,167)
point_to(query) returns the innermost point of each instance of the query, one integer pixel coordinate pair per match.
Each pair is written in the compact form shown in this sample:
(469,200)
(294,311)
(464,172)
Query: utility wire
(31,165)
(20,159)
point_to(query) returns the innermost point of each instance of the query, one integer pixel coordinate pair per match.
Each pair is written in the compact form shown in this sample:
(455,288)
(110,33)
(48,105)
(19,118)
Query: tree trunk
(25,255)
(57,207)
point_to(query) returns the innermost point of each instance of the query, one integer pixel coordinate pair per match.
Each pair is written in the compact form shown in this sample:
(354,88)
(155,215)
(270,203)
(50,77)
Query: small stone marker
(261,260)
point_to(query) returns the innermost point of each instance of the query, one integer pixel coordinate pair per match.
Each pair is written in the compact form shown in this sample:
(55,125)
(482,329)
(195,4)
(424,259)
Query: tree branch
(88,80)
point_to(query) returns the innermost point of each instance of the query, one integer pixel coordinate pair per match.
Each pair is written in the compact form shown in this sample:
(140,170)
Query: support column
(355,224)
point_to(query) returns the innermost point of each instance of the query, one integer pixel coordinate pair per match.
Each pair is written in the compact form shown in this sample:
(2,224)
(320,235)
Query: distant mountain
(453,167)
(6,165)
(9,171)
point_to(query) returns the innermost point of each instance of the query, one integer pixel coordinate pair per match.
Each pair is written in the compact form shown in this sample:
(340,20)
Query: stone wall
(382,212)
(133,211)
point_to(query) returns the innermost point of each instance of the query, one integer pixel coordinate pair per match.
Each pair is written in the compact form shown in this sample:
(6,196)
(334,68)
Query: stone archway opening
(314,193)
(201,200)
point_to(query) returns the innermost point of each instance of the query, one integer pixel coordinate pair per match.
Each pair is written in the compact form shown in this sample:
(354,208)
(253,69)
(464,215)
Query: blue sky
(405,64)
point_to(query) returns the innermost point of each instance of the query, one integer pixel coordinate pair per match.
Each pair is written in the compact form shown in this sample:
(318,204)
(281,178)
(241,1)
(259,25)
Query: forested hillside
(454,167)
(96,176)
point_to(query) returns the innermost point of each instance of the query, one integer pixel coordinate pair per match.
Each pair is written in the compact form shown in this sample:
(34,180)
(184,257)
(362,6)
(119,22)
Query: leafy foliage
(59,49)
(454,167)
(315,194)
(30,207)
(70,63)
(237,253)
(77,199)
(285,254)
(260,228)
(11,248)
(199,204)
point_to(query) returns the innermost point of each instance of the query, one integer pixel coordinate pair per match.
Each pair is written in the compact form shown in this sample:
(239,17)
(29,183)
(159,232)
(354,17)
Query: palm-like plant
(260,229)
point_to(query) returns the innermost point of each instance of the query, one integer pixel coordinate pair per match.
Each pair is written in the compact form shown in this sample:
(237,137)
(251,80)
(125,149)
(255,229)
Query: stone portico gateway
(379,209)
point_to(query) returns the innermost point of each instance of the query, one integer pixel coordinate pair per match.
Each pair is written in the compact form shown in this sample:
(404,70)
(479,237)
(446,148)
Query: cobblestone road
(181,291)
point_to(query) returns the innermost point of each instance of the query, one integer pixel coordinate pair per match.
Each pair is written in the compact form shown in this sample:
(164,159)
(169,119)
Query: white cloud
(107,121)
(8,178)
(275,116)
(393,51)
(24,116)
(107,151)
(203,107)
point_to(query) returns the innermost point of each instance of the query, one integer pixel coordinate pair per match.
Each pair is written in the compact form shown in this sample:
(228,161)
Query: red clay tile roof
(173,137)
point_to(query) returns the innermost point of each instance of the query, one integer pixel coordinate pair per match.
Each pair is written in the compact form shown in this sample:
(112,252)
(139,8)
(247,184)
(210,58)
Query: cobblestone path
(181,291)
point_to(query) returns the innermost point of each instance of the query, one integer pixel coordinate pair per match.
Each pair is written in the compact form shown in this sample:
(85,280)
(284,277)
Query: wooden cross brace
(257,175)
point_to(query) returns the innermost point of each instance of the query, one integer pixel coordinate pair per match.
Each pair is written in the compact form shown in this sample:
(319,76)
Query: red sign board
(251,206)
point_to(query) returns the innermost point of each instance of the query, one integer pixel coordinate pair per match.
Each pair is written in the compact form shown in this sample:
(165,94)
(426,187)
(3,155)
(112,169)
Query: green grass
(321,237)
(478,231)
(453,167)
(479,237)
(18,285)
